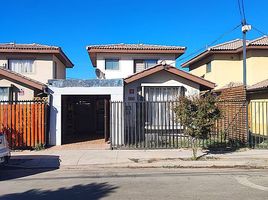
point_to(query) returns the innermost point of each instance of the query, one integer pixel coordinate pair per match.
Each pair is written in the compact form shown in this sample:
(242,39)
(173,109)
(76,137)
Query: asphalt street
(93,184)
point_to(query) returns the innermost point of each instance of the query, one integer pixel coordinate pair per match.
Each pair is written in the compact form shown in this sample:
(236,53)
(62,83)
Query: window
(112,64)
(4,93)
(55,70)
(21,66)
(140,65)
(149,63)
(163,93)
(162,108)
(208,67)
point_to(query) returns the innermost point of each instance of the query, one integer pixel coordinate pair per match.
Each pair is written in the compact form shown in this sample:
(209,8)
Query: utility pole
(245,29)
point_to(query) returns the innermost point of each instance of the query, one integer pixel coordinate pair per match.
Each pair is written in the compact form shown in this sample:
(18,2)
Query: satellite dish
(99,74)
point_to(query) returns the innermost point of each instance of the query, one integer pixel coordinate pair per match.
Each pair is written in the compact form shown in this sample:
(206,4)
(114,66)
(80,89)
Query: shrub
(39,147)
(197,115)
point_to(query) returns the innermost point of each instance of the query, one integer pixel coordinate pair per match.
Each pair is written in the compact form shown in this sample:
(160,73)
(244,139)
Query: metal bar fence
(154,125)
(24,123)
(258,124)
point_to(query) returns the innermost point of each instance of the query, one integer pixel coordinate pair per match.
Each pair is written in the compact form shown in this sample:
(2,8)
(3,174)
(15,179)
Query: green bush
(198,115)
(39,147)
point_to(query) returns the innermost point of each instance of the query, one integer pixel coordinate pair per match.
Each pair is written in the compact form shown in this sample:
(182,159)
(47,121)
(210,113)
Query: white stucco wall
(116,94)
(162,78)
(126,63)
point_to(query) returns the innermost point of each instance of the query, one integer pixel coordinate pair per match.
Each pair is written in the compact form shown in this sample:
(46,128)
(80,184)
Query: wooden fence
(24,123)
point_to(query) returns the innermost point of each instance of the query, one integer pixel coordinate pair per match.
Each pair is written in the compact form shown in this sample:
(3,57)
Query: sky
(74,24)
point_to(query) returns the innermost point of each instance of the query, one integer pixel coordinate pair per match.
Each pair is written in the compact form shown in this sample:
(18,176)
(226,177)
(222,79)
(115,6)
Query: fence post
(111,126)
(247,123)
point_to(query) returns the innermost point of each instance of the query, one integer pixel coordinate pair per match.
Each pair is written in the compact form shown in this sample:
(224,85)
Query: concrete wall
(126,63)
(116,94)
(226,68)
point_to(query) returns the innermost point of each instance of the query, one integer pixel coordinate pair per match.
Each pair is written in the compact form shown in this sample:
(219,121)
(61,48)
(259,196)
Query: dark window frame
(144,62)
(112,59)
(208,67)
(9,59)
(55,70)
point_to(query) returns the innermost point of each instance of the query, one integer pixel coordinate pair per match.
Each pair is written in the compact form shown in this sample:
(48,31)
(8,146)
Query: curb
(166,167)
(72,167)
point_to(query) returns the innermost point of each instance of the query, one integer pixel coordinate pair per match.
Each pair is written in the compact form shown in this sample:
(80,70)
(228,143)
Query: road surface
(144,184)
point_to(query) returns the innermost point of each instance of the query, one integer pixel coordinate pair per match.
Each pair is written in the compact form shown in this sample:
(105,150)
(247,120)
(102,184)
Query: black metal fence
(152,125)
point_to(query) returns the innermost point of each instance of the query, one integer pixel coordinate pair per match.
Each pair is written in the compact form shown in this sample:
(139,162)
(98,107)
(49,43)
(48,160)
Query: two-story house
(123,60)
(131,60)
(125,73)
(223,63)
(26,68)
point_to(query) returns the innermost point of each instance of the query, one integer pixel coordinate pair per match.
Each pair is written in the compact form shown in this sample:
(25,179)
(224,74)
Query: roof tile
(233,45)
(135,47)
(259,85)
(262,41)
(35,48)
(27,46)
(230,45)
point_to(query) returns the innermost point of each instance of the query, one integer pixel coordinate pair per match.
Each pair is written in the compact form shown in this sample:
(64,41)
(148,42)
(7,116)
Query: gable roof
(16,77)
(233,46)
(36,48)
(259,86)
(204,84)
(262,41)
(133,48)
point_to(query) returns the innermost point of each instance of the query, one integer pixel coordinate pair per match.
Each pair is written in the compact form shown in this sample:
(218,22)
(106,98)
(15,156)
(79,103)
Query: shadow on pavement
(91,191)
(27,165)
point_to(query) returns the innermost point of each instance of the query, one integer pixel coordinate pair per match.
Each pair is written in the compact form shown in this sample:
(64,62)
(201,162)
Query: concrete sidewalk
(178,158)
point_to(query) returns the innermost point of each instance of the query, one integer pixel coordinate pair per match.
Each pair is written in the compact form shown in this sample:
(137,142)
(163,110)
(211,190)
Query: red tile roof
(204,84)
(133,48)
(22,79)
(36,48)
(260,85)
(27,46)
(262,41)
(233,46)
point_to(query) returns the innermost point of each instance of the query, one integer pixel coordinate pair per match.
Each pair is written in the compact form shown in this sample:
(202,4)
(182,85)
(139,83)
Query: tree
(197,115)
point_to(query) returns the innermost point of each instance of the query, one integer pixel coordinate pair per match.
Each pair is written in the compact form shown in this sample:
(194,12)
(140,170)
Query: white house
(81,109)
(123,60)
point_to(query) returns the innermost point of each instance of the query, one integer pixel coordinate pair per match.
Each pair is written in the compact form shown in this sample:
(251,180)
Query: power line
(258,30)
(243,9)
(210,44)
(240,11)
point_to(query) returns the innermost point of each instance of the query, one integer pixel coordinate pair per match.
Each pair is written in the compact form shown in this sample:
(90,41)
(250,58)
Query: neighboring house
(258,91)
(123,60)
(257,95)
(26,68)
(223,63)
(80,110)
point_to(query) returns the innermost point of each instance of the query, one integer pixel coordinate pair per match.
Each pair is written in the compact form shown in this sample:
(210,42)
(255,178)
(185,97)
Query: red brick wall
(232,102)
